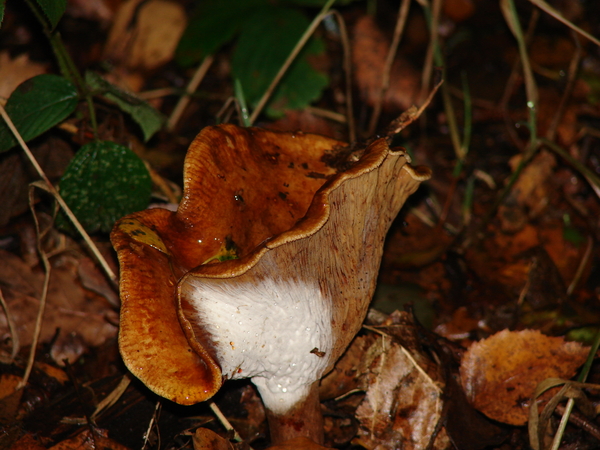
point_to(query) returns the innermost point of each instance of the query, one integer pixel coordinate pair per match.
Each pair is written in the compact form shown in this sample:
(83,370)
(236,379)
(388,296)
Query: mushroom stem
(305,419)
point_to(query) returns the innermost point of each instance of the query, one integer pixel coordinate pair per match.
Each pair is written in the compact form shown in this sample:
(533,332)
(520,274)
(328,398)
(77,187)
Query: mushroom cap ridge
(160,342)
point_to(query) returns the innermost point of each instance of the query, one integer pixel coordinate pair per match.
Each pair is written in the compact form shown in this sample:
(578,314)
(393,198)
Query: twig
(191,88)
(582,422)
(290,59)
(223,420)
(591,177)
(14,335)
(114,395)
(222,112)
(389,61)
(572,75)
(433,15)
(162,184)
(325,113)
(407,354)
(515,71)
(151,425)
(581,267)
(510,15)
(348,71)
(47,269)
(558,16)
(47,185)
(410,115)
(157,93)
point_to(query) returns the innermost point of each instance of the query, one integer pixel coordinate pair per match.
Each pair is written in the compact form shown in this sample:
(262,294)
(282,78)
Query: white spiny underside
(266,332)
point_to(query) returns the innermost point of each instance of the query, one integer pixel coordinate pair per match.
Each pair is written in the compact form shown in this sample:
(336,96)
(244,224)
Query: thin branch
(584,261)
(40,316)
(191,88)
(47,185)
(433,15)
(348,72)
(387,69)
(571,78)
(558,16)
(14,334)
(223,420)
(290,59)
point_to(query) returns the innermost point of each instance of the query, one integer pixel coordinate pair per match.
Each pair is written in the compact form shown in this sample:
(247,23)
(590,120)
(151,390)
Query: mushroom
(265,271)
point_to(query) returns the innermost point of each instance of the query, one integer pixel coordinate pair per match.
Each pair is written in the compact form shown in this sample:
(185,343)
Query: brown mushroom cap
(241,184)
(272,196)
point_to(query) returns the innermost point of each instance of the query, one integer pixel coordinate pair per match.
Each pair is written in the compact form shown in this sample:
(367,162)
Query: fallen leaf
(205,439)
(403,403)
(300,443)
(8,384)
(345,376)
(93,10)
(530,194)
(369,52)
(145,34)
(459,10)
(27,442)
(84,319)
(88,440)
(13,71)
(499,374)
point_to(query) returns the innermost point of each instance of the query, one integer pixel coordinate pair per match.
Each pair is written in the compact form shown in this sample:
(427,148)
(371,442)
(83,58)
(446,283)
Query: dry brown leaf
(499,374)
(459,10)
(459,327)
(95,280)
(404,402)
(205,439)
(369,52)
(53,155)
(308,122)
(95,10)
(401,405)
(27,442)
(300,443)
(345,376)
(54,372)
(143,37)
(530,194)
(8,384)
(13,71)
(87,440)
(84,319)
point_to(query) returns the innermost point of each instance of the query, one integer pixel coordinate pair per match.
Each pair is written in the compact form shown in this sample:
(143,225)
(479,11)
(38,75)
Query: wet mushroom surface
(265,271)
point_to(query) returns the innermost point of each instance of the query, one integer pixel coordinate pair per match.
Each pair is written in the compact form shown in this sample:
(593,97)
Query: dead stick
(348,71)
(387,69)
(94,249)
(191,88)
(290,59)
(40,316)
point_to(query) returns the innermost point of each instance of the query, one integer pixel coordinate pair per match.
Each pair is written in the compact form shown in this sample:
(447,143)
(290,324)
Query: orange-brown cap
(271,198)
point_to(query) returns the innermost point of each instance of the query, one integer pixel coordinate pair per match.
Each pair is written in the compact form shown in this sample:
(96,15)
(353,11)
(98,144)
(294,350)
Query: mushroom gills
(266,330)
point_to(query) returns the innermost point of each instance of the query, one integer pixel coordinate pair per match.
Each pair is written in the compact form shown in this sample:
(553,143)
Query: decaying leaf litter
(496,252)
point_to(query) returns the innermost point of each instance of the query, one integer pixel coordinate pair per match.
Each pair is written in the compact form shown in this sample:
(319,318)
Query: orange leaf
(499,374)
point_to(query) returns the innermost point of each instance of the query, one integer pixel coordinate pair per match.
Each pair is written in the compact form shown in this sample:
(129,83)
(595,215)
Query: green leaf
(105,181)
(213,24)
(53,9)
(2,3)
(266,40)
(148,118)
(36,106)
